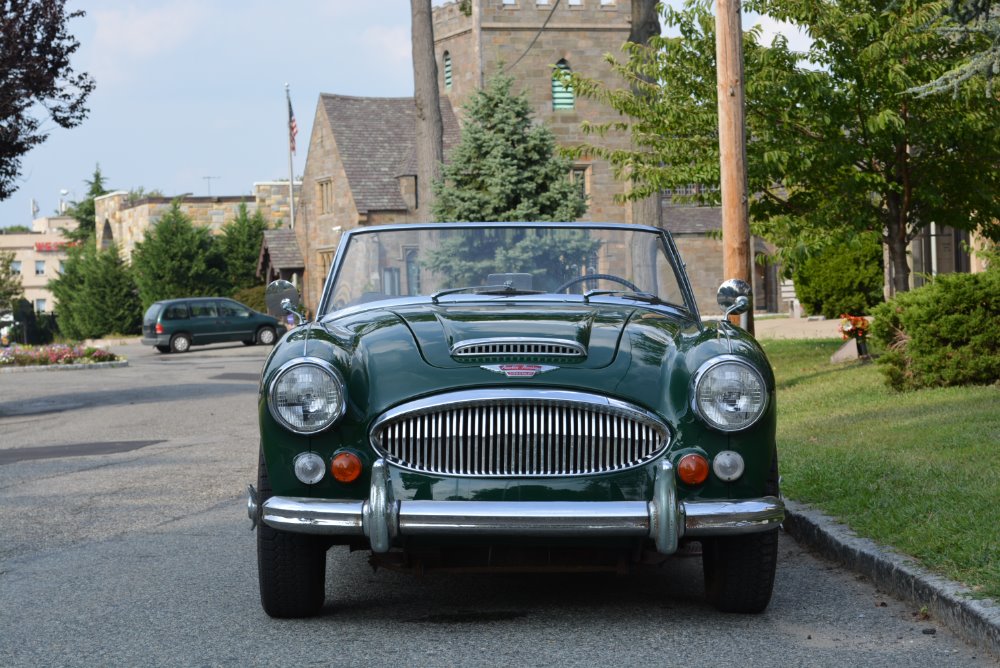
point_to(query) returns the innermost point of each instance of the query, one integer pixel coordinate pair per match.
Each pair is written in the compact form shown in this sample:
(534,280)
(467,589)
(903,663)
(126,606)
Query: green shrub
(944,333)
(843,278)
(252,297)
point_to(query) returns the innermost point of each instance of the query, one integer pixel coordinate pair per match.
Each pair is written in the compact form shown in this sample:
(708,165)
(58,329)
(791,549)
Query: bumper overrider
(381,518)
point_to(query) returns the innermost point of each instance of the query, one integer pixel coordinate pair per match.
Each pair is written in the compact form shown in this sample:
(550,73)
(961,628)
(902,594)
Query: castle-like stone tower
(527,39)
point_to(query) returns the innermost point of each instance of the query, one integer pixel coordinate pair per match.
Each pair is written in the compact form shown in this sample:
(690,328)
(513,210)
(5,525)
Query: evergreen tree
(241,242)
(84,210)
(96,294)
(177,259)
(10,283)
(505,167)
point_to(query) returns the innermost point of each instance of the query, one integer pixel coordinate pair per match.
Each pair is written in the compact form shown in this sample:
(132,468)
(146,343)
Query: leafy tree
(177,259)
(10,283)
(35,50)
(15,229)
(241,241)
(96,294)
(84,211)
(841,149)
(505,167)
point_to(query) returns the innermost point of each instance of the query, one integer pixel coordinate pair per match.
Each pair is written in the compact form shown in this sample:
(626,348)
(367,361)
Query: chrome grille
(509,347)
(566,433)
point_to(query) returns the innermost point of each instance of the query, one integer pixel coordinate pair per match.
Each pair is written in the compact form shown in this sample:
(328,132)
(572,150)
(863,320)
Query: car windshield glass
(457,261)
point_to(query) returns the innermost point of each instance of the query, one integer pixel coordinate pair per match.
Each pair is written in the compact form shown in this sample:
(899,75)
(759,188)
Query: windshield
(446,262)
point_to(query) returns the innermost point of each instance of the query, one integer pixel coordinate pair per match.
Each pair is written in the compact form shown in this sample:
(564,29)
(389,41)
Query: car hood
(597,331)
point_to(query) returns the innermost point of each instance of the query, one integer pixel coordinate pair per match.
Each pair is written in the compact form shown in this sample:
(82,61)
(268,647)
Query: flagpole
(291,170)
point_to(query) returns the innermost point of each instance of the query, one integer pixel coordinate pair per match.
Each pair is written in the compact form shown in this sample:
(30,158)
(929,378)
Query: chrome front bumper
(381,518)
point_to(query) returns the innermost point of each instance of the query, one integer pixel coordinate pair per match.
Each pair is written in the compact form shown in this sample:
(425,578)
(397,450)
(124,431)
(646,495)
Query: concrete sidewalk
(795,328)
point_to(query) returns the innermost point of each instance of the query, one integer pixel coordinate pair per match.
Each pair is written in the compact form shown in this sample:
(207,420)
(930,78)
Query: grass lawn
(919,471)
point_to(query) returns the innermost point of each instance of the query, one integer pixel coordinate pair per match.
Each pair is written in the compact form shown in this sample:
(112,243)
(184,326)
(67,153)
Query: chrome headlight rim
(324,366)
(703,371)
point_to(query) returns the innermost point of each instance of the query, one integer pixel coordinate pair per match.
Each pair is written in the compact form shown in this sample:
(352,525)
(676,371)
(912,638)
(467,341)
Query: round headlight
(307,396)
(729,394)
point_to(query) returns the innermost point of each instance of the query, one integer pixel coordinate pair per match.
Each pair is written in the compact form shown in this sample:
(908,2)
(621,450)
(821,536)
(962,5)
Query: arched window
(447,71)
(562,93)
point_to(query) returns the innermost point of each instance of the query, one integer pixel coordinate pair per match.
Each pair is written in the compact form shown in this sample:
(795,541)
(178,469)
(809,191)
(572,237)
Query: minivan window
(233,310)
(152,312)
(203,310)
(175,312)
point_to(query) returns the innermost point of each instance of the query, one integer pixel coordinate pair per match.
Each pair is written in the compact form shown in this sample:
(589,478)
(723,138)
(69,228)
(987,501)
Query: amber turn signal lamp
(691,469)
(345,467)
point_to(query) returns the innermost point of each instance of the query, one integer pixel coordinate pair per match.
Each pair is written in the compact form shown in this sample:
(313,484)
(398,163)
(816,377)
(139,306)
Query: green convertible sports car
(514,396)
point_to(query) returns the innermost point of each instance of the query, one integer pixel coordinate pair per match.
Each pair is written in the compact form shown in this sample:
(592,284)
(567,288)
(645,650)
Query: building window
(607,3)
(509,2)
(575,3)
(62,266)
(39,306)
(325,196)
(562,93)
(447,71)
(39,267)
(580,177)
(390,281)
(412,272)
(15,267)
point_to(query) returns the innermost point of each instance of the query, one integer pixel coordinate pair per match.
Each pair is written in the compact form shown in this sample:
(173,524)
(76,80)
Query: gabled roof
(375,136)
(282,249)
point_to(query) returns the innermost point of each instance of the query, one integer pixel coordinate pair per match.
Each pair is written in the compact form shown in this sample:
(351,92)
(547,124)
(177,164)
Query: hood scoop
(513,346)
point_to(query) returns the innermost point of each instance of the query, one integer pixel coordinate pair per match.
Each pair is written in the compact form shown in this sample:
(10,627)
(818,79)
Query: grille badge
(519,370)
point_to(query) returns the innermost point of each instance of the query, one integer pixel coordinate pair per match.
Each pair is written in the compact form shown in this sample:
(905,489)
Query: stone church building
(361,168)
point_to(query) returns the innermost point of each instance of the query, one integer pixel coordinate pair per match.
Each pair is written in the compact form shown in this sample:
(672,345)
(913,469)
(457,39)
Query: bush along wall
(942,334)
(843,278)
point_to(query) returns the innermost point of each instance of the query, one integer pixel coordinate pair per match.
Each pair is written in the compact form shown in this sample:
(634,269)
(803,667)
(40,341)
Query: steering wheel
(594,277)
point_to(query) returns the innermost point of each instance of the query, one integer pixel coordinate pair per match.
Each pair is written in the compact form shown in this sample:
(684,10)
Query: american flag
(293,128)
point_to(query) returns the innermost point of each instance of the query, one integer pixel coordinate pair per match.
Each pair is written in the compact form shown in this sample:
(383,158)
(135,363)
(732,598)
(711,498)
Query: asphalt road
(124,541)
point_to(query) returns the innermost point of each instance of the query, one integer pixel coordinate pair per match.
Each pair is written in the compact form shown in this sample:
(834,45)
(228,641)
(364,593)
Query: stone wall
(497,37)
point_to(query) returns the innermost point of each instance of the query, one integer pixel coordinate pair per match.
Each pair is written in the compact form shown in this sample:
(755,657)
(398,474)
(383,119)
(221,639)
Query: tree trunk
(896,241)
(429,130)
(645,24)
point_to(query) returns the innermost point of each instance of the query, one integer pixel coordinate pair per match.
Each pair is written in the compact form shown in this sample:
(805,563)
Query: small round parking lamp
(309,467)
(345,467)
(728,465)
(692,469)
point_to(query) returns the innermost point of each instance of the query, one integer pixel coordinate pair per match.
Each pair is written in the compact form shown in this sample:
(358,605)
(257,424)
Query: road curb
(64,367)
(976,621)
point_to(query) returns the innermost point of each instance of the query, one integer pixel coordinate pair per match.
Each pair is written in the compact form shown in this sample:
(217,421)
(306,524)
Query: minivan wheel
(265,336)
(180,343)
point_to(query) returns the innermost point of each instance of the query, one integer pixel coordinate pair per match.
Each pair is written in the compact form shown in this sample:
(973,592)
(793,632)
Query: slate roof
(375,136)
(282,248)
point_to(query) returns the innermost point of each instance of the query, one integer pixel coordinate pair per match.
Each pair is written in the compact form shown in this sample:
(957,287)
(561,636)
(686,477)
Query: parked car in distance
(174,325)
(514,396)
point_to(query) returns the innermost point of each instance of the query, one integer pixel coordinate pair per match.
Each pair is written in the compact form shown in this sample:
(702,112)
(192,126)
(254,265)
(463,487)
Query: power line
(535,39)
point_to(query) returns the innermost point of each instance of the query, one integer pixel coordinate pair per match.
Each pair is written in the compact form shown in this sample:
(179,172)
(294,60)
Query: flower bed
(55,354)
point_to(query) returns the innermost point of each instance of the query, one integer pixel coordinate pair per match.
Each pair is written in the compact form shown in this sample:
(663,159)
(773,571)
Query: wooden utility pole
(429,130)
(732,145)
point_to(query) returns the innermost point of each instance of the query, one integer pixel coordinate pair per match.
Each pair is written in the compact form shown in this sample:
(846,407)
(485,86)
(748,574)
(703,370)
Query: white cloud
(125,39)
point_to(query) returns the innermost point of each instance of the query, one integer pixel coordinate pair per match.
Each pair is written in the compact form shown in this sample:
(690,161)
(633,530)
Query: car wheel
(180,343)
(163,349)
(265,336)
(249,343)
(739,570)
(291,567)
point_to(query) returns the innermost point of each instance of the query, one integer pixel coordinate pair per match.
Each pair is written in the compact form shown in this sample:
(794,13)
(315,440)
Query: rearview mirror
(734,296)
(282,297)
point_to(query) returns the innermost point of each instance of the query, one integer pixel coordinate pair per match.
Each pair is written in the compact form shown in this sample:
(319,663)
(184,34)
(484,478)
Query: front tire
(739,570)
(291,567)
(266,336)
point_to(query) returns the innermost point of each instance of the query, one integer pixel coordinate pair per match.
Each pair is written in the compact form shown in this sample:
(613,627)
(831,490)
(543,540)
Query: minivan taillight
(159,328)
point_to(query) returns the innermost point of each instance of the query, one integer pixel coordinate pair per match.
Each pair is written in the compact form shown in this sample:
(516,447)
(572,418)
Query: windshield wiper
(505,289)
(647,297)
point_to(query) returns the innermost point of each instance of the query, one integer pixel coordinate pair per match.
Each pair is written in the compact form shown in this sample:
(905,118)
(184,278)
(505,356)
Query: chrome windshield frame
(680,273)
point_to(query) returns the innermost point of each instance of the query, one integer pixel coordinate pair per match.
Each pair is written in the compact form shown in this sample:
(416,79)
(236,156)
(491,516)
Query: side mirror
(734,297)
(282,297)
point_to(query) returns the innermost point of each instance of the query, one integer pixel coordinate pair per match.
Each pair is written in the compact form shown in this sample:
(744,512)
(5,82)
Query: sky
(190,95)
